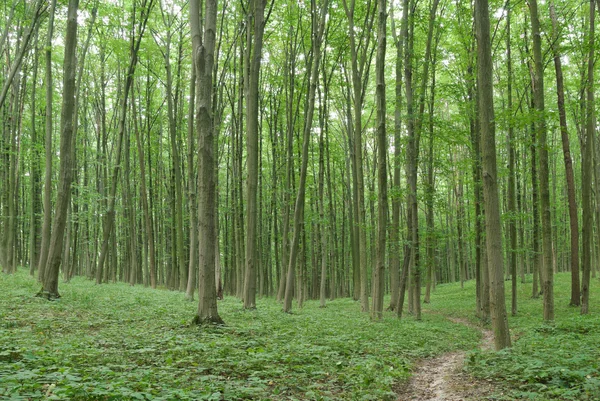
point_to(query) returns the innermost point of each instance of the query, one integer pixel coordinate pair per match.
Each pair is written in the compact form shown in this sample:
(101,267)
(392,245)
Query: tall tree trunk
(512,206)
(538,92)
(46,225)
(358,71)
(51,271)
(203,54)
(254,49)
(193,262)
(564,133)
(34,217)
(587,171)
(490,183)
(382,149)
(318,30)
(110,213)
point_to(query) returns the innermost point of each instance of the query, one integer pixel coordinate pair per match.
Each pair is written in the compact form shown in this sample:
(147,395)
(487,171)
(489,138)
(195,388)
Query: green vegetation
(559,361)
(115,341)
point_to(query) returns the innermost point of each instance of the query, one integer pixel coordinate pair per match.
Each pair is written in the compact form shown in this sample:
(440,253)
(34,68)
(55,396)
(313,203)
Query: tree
(564,134)
(485,93)
(317,36)
(586,191)
(382,149)
(541,130)
(255,33)
(203,53)
(67,154)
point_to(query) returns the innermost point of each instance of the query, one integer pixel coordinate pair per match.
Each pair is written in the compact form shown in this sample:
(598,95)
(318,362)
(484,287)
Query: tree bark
(382,149)
(317,36)
(203,54)
(254,49)
(538,92)
(490,183)
(564,133)
(50,283)
(587,172)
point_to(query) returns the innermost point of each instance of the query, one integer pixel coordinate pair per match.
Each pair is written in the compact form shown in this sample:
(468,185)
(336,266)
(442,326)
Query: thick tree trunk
(203,56)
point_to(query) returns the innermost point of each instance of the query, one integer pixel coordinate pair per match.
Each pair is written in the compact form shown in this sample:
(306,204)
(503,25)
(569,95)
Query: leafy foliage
(115,341)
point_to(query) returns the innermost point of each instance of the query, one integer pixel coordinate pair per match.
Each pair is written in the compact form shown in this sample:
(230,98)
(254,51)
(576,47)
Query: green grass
(559,361)
(113,341)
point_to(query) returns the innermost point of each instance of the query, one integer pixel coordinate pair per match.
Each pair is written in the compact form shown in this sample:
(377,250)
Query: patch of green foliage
(558,361)
(113,342)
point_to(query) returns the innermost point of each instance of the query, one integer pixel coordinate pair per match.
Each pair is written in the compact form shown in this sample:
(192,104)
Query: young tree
(485,91)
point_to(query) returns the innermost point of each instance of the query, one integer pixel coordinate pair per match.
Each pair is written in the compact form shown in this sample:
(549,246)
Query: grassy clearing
(559,361)
(114,341)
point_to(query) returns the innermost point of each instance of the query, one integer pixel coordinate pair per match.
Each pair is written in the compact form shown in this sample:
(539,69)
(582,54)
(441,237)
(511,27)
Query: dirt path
(442,378)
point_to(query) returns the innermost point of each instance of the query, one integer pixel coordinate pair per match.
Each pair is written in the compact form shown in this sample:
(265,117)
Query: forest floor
(117,342)
(442,378)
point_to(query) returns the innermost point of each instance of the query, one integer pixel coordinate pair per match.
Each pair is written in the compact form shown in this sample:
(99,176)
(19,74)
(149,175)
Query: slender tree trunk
(110,213)
(538,91)
(193,262)
(254,49)
(587,171)
(490,183)
(512,205)
(46,226)
(382,149)
(564,133)
(358,71)
(318,31)
(51,271)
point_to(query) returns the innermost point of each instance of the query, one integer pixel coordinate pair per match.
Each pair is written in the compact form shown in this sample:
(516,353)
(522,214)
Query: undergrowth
(114,342)
(557,361)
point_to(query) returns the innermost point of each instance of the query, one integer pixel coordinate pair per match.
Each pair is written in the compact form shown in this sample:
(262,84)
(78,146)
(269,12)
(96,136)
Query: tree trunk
(512,206)
(317,36)
(538,92)
(564,133)
(51,271)
(382,149)
(587,171)
(203,54)
(46,225)
(110,213)
(254,49)
(490,183)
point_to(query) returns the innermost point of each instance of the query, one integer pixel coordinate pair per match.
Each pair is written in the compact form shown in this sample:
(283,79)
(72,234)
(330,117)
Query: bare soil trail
(442,379)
